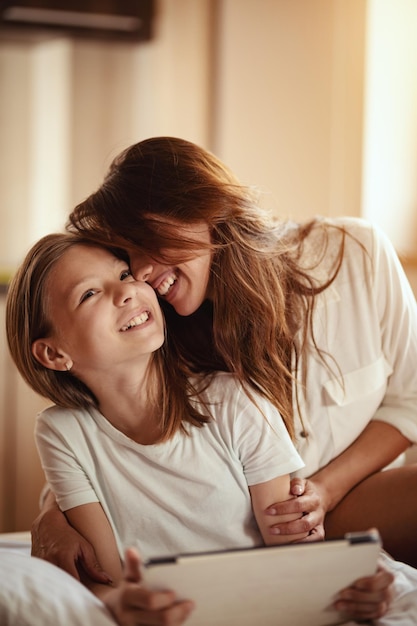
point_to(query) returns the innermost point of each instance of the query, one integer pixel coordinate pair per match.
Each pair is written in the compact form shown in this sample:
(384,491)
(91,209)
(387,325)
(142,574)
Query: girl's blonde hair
(262,297)
(27,320)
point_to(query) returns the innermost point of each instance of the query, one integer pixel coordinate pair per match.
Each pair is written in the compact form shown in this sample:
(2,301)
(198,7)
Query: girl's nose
(128,290)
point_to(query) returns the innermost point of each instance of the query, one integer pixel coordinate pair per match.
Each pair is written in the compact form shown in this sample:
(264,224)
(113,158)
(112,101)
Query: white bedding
(36,593)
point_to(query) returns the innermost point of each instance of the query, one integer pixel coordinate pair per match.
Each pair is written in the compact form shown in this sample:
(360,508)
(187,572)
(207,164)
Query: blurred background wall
(312,101)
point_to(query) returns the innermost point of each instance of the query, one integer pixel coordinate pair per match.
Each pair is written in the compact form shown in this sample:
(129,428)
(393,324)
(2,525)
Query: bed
(36,593)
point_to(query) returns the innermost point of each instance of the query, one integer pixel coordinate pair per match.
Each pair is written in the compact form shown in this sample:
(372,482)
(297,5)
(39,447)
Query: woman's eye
(86,295)
(125,274)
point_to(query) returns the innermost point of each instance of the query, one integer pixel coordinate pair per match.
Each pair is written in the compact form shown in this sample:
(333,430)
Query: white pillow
(34,592)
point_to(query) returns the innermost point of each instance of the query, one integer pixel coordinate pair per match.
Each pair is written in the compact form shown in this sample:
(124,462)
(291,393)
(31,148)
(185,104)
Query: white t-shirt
(188,494)
(367,322)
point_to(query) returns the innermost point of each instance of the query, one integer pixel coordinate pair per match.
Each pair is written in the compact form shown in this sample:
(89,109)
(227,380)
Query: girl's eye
(125,274)
(86,295)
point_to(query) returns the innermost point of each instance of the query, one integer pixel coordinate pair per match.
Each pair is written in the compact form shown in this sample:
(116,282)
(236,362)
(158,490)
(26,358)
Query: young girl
(137,452)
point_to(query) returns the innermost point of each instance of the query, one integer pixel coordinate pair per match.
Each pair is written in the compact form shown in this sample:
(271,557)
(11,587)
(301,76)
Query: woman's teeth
(136,321)
(166,285)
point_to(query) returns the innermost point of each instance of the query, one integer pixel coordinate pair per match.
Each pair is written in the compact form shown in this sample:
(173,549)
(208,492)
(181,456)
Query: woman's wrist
(328,497)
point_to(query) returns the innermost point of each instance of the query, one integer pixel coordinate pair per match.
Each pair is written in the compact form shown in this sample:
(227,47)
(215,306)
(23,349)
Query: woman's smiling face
(184,285)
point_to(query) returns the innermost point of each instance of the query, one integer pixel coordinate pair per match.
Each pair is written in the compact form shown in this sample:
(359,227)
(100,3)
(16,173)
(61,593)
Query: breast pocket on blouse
(352,400)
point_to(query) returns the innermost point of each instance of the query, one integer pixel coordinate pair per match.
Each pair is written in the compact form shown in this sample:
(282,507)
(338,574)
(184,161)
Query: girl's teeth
(166,285)
(137,321)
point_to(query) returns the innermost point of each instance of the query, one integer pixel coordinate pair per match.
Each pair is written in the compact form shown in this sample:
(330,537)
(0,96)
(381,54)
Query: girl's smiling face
(184,285)
(102,317)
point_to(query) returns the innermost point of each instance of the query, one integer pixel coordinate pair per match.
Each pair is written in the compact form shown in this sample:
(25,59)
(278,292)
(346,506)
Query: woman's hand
(368,598)
(310,503)
(132,604)
(56,541)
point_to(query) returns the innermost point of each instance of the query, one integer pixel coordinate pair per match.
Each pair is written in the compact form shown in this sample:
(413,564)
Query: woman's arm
(366,599)
(54,540)
(378,445)
(262,495)
(126,598)
(390,312)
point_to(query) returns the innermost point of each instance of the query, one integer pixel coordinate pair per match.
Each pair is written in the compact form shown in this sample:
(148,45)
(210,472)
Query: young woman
(138,453)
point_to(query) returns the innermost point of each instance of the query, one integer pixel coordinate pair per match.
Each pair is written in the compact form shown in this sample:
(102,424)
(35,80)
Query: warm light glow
(390,123)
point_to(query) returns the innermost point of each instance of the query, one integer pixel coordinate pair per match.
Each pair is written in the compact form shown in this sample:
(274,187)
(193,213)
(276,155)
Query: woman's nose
(142,272)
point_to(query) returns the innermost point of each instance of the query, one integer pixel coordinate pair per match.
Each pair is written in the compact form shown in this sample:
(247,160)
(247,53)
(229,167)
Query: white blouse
(366,325)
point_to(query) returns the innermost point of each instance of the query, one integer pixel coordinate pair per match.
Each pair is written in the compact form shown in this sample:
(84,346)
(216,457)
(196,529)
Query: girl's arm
(263,495)
(92,523)
(126,598)
(54,540)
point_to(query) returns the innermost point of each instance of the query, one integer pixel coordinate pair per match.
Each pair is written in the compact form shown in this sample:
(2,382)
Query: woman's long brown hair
(262,297)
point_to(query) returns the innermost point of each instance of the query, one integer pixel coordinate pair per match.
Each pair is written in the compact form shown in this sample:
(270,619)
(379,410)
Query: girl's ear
(49,356)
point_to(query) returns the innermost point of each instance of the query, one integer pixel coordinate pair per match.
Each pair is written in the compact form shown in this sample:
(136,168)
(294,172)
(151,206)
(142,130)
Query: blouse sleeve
(397,309)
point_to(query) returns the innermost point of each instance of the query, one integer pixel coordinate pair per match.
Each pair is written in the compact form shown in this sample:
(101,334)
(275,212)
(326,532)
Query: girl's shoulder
(224,391)
(59,419)
(217,386)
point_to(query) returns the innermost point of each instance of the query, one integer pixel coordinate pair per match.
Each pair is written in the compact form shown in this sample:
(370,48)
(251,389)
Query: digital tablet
(290,585)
